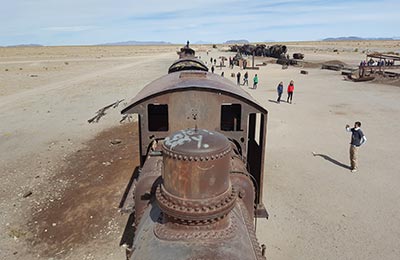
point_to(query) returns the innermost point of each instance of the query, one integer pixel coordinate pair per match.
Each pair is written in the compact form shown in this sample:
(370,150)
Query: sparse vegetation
(16,233)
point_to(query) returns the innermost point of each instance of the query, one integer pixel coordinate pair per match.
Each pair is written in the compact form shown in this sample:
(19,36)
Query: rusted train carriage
(199,187)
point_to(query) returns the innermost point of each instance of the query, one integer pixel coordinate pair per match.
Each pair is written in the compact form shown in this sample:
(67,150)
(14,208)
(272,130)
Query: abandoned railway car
(198,188)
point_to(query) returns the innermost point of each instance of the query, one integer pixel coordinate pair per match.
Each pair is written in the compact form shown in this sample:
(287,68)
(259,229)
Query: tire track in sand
(13,98)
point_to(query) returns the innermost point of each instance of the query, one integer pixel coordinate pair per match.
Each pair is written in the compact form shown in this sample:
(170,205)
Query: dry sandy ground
(318,209)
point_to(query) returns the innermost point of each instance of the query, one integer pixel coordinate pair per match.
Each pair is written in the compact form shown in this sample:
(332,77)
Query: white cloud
(97,21)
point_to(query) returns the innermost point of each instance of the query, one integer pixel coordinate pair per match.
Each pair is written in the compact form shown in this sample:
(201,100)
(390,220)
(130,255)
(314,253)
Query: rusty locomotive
(198,189)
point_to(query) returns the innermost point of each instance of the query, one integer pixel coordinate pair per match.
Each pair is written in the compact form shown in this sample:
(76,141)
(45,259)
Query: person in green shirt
(255,81)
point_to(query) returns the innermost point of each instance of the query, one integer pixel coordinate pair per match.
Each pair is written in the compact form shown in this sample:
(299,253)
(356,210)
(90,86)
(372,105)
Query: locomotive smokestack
(196,184)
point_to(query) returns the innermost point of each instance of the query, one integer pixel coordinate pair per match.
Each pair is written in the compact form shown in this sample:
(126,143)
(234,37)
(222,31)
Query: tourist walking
(212,69)
(246,79)
(279,89)
(357,139)
(290,90)
(238,78)
(255,82)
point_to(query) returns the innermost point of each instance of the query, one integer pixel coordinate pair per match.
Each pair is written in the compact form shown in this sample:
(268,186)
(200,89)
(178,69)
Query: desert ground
(62,178)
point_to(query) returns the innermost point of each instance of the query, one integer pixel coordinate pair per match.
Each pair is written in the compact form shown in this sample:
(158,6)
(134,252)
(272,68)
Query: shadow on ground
(330,159)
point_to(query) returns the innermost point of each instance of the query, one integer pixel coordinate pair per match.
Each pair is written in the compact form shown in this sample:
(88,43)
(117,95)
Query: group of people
(371,62)
(290,90)
(246,79)
(357,138)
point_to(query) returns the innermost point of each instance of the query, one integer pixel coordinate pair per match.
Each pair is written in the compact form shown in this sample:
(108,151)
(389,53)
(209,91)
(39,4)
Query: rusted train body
(199,186)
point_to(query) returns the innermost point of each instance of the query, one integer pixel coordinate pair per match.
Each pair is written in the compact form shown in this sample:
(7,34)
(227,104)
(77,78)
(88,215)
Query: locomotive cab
(196,98)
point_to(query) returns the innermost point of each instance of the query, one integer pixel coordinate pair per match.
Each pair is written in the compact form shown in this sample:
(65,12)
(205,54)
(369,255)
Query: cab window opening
(231,117)
(157,117)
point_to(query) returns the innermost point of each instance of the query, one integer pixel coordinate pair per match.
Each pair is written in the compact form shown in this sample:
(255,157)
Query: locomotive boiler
(198,188)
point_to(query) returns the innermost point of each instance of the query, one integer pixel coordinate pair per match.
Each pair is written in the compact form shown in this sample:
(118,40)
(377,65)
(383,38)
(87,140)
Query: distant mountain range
(236,42)
(355,38)
(136,43)
(25,45)
(240,41)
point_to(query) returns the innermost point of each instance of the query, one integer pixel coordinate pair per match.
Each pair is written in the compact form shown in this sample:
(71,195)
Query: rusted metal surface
(196,185)
(236,241)
(204,201)
(209,82)
(187,109)
(188,63)
(202,144)
(194,161)
(186,51)
(298,56)
(384,56)
(276,51)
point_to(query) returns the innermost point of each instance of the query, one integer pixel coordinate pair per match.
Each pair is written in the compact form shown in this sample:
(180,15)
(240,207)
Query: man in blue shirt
(357,139)
(280,91)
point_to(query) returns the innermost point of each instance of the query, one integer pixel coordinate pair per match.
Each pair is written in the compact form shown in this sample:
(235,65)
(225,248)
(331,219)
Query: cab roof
(191,80)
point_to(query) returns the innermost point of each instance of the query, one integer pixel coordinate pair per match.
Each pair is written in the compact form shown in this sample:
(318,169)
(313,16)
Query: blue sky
(75,22)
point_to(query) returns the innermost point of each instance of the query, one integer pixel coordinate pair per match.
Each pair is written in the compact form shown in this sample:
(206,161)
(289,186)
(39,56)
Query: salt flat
(318,209)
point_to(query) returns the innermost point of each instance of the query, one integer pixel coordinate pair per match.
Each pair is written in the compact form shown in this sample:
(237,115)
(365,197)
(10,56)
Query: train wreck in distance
(199,185)
(277,51)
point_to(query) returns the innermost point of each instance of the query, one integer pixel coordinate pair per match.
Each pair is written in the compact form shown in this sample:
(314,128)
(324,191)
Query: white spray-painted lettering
(199,139)
(186,136)
(211,133)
